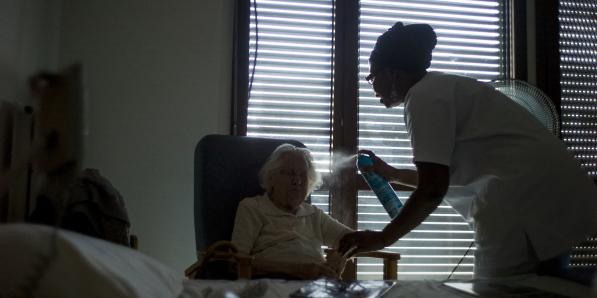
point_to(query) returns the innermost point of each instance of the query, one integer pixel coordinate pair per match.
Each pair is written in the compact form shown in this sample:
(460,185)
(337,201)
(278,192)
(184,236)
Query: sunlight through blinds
(578,68)
(292,84)
(470,42)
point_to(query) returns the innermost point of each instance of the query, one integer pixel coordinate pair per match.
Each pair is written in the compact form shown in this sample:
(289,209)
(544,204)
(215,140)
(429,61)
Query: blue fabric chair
(226,169)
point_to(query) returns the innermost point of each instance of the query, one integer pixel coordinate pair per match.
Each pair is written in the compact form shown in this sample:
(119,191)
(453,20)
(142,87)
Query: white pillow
(58,263)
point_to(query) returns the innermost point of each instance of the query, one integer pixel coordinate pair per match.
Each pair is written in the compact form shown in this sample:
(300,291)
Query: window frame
(345,90)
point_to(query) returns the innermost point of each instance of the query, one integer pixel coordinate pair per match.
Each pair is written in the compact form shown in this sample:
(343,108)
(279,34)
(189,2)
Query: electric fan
(533,100)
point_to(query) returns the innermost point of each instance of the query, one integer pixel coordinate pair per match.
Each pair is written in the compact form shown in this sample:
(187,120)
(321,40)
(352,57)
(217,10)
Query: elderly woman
(279,229)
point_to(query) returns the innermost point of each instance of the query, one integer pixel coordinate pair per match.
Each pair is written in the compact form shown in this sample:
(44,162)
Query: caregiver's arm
(405,177)
(433,184)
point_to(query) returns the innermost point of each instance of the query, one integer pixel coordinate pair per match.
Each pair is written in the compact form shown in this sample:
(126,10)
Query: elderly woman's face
(290,182)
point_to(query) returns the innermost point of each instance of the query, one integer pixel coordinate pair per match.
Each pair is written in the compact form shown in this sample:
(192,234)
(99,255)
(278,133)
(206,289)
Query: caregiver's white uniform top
(520,181)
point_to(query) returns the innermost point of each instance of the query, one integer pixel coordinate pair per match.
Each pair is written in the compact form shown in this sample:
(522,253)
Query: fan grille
(533,100)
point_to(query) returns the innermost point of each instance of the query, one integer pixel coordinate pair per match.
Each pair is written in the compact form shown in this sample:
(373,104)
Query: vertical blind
(578,69)
(470,42)
(291,90)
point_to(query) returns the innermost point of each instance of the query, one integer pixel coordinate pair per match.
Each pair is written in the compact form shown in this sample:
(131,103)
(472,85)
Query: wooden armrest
(379,255)
(222,255)
(373,254)
(390,261)
(191,271)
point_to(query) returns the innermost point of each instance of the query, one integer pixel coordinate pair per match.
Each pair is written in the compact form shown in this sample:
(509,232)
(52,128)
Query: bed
(41,261)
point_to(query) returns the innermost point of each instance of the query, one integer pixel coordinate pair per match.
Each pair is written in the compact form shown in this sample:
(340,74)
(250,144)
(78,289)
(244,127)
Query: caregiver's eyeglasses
(370,78)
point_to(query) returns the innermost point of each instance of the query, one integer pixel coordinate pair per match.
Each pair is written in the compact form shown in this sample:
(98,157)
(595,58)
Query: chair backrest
(226,171)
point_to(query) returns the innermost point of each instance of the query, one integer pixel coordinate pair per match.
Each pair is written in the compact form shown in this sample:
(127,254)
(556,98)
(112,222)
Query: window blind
(578,52)
(291,97)
(292,81)
(578,69)
(470,42)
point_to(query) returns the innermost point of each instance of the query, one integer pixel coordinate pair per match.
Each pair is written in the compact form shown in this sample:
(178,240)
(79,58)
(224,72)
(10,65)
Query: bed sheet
(57,263)
(41,261)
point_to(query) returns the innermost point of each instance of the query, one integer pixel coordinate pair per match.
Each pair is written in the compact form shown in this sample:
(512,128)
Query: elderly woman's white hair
(274,162)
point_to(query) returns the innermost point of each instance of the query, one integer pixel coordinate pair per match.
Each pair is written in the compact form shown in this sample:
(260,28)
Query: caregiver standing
(528,198)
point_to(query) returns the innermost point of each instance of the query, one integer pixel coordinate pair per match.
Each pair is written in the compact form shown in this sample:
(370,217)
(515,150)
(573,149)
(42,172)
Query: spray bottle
(380,186)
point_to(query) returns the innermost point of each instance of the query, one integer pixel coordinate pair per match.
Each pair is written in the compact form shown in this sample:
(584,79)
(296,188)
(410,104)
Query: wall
(158,79)
(28,44)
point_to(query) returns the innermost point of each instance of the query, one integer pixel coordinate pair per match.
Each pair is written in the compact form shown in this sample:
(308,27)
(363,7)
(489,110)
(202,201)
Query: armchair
(226,169)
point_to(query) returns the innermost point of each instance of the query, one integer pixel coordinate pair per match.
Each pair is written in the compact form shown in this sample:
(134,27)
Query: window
(308,60)
(578,71)
(292,81)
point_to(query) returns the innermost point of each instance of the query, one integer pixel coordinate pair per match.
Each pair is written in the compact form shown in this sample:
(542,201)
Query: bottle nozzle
(364,160)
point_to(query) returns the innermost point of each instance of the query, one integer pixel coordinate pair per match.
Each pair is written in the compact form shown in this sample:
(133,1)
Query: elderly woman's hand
(335,260)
